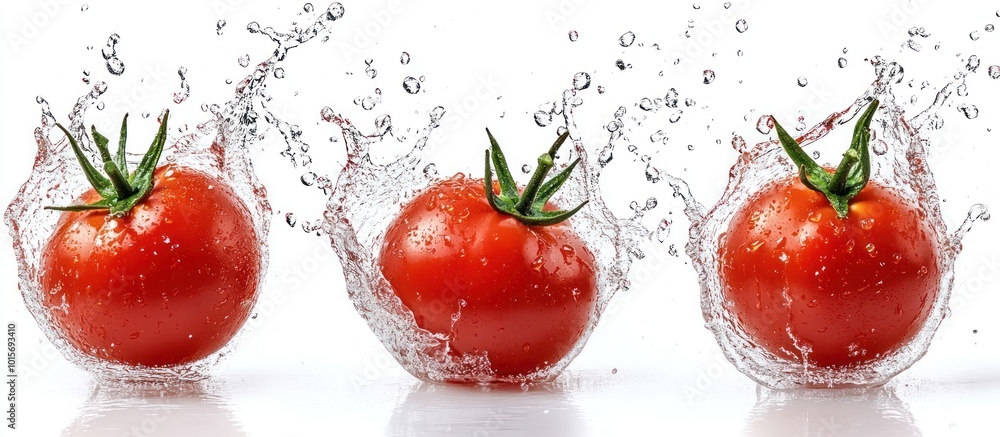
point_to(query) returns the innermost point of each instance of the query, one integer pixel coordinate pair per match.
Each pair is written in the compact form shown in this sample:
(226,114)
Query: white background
(311,366)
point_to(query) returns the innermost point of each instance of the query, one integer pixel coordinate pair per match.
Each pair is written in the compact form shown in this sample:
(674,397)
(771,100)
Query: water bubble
(290,219)
(726,5)
(764,124)
(689,102)
(411,85)
(626,39)
(842,62)
(708,76)
(913,45)
(279,73)
(646,104)
(658,137)
(100,106)
(962,90)
(739,144)
(815,154)
(741,25)
(973,63)
(675,117)
(994,71)
(404,58)
(218,26)
(308,178)
(335,12)
(430,170)
(308,7)
(525,169)
(367,103)
(110,54)
(800,125)
(573,35)
(988,28)
(918,31)
(974,35)
(802,81)
(739,53)
(969,111)
(543,118)
(620,64)
(84,8)
(670,100)
(581,81)
(600,90)
(244,61)
(182,95)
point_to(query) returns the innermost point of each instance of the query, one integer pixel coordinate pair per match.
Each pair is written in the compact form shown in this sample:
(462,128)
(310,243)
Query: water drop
(404,58)
(290,219)
(842,62)
(626,39)
(689,102)
(913,45)
(646,104)
(802,81)
(764,124)
(526,169)
(988,28)
(244,61)
(994,71)
(543,118)
(84,8)
(741,25)
(411,85)
(815,154)
(367,103)
(100,106)
(726,5)
(335,12)
(308,7)
(708,76)
(880,147)
(670,100)
(182,95)
(969,111)
(974,35)
(430,170)
(573,35)
(581,81)
(308,179)
(218,26)
(620,64)
(973,64)
(739,144)
(676,116)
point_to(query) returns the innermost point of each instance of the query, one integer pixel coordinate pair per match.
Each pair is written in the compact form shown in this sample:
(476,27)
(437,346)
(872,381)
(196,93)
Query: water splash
(368,196)
(901,163)
(219,146)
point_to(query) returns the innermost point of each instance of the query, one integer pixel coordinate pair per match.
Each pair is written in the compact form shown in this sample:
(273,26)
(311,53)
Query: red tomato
(848,290)
(170,282)
(522,294)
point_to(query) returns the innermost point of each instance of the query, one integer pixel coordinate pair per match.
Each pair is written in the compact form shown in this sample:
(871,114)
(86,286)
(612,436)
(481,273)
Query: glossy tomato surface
(169,283)
(524,295)
(804,283)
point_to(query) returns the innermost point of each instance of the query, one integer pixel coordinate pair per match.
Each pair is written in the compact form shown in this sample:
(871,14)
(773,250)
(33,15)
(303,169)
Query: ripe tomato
(168,282)
(830,269)
(523,294)
(848,290)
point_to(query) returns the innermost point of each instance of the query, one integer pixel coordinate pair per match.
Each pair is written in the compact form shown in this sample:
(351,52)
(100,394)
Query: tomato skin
(169,283)
(857,288)
(524,295)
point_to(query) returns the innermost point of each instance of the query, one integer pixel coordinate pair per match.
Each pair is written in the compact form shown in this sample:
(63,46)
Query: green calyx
(527,206)
(119,190)
(851,175)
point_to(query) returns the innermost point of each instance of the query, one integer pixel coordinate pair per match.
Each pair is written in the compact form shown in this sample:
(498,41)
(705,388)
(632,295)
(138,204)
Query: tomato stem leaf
(119,191)
(852,173)
(529,205)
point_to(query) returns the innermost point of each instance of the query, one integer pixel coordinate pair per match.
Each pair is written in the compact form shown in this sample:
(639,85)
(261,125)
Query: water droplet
(308,179)
(646,104)
(689,102)
(663,230)
(994,71)
(368,103)
(431,170)
(802,81)
(218,26)
(537,264)
(526,168)
(573,35)
(411,85)
(244,61)
(543,118)
(670,100)
(308,7)
(620,64)
(404,58)
(526,347)
(290,219)
(973,64)
(880,147)
(974,35)
(815,154)
(764,124)
(739,144)
(816,216)
(842,62)
(867,223)
(741,25)
(708,76)
(657,137)
(182,95)
(726,5)
(988,28)
(600,90)
(969,111)
(626,39)
(581,81)
(676,116)
(100,106)
(335,12)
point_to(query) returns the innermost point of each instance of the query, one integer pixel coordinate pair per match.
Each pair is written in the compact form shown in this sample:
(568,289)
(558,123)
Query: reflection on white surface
(155,410)
(435,410)
(829,412)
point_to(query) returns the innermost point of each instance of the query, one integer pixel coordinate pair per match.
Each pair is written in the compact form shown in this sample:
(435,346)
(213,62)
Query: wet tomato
(521,293)
(166,277)
(827,272)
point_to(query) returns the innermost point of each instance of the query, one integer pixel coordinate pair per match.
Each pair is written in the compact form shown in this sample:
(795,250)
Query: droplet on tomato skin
(526,347)
(567,251)
(867,223)
(537,264)
(756,244)
(870,248)
(815,217)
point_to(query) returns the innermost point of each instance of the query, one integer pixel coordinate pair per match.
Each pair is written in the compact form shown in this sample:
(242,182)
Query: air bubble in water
(626,39)
(581,81)
(411,85)
(84,8)
(880,147)
(543,118)
(279,73)
(842,62)
(308,179)
(218,26)
(244,60)
(994,71)
(988,28)
(913,45)
(739,144)
(676,116)
(110,54)
(969,111)
(974,35)
(741,25)
(764,124)
(973,64)
(404,58)
(335,12)
(290,219)
(670,100)
(182,95)
(525,169)
(726,5)
(689,102)
(646,104)
(573,35)
(308,7)
(708,76)
(802,81)
(100,106)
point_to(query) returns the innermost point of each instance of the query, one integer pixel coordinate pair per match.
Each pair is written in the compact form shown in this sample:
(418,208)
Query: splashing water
(367,198)
(900,162)
(219,147)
